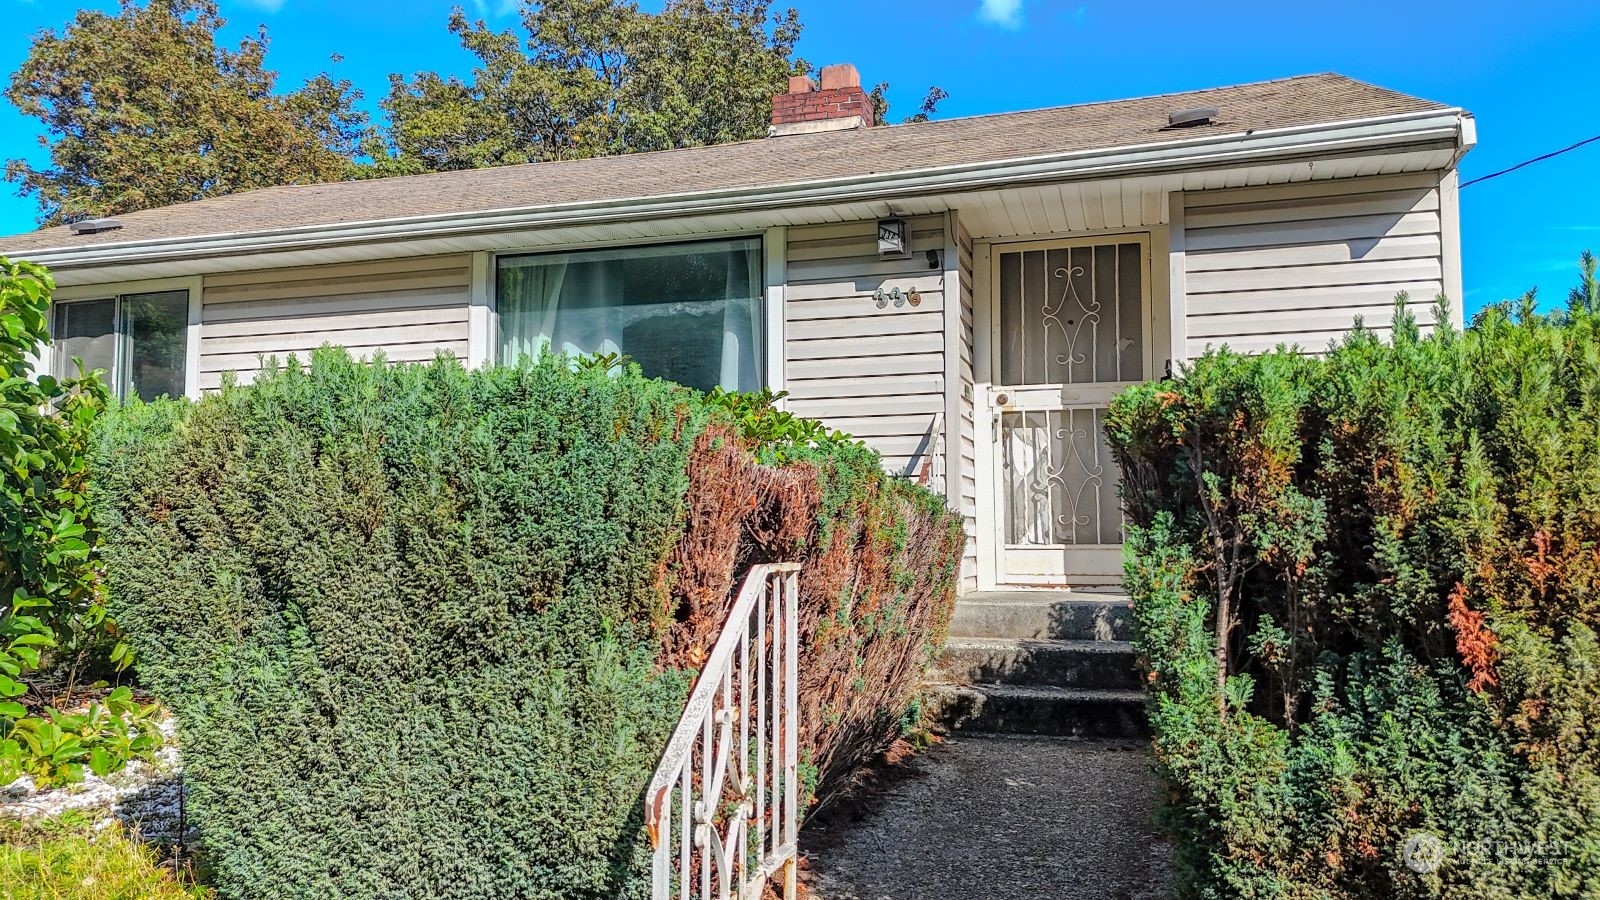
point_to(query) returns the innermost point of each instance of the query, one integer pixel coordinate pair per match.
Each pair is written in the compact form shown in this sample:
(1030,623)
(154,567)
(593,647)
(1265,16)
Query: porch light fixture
(94,226)
(892,239)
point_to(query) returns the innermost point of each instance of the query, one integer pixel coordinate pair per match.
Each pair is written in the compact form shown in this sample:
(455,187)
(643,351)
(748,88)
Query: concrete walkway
(990,816)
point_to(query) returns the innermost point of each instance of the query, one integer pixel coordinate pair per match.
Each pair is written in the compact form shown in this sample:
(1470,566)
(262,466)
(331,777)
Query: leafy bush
(52,612)
(425,631)
(777,432)
(69,858)
(104,736)
(1366,591)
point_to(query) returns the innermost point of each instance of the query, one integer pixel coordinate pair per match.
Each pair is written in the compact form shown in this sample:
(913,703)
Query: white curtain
(1060,480)
(741,350)
(529,297)
(1030,506)
(592,323)
(688,312)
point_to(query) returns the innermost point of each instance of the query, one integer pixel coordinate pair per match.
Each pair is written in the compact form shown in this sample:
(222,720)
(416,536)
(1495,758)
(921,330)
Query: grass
(69,859)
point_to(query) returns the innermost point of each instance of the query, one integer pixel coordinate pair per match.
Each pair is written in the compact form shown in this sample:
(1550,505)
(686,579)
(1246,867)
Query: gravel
(983,817)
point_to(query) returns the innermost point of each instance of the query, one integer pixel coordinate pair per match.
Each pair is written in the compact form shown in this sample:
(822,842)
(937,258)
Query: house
(964,295)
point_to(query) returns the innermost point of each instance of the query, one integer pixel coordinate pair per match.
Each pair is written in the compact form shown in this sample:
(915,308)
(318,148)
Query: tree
(1586,296)
(596,77)
(143,109)
(925,110)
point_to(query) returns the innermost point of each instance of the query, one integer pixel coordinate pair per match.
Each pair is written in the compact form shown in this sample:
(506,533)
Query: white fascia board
(1469,136)
(1247,148)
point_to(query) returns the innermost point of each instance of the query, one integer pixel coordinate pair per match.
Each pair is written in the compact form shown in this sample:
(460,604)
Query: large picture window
(140,340)
(689,313)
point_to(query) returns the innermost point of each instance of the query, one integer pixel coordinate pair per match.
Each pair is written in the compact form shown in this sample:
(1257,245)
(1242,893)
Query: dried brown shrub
(880,559)
(739,513)
(1474,641)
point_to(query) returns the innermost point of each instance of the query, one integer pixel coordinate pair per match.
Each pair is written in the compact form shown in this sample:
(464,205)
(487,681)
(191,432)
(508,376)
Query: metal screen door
(1072,320)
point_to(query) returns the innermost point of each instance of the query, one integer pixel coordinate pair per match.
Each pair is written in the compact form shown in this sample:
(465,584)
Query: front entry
(1072,327)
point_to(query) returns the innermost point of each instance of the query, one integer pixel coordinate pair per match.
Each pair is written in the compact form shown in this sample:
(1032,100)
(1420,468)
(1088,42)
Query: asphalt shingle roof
(1305,100)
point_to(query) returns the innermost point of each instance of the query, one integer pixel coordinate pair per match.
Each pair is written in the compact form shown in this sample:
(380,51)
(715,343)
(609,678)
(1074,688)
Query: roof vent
(94,226)
(1188,118)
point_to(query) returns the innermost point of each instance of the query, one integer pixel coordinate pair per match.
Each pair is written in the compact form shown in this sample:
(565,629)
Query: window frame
(771,249)
(53,362)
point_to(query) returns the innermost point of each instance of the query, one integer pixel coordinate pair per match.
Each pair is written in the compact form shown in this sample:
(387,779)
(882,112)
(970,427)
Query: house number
(900,298)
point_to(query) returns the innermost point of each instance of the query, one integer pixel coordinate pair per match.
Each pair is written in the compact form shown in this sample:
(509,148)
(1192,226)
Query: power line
(1530,162)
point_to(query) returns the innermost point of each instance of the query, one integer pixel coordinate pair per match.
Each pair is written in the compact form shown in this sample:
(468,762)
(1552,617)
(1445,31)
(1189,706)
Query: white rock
(144,796)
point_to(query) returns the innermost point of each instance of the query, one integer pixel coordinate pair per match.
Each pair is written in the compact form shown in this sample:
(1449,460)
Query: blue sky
(1526,70)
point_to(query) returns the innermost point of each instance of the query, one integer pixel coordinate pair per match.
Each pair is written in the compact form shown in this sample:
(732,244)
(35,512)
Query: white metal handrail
(722,808)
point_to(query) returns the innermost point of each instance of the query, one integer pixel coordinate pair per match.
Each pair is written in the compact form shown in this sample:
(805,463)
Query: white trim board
(775,250)
(1177,284)
(481,320)
(1450,245)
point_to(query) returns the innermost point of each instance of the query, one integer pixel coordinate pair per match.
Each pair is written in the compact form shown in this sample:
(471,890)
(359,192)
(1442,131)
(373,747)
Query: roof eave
(1378,134)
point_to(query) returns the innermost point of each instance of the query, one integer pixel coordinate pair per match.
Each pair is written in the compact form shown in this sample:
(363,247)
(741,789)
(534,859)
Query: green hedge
(1396,548)
(425,631)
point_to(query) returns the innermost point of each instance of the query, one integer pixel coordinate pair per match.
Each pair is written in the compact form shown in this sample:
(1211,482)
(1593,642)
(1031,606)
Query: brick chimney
(839,103)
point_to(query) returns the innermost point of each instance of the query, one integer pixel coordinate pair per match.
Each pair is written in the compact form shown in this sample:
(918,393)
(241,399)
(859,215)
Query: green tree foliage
(1365,590)
(879,95)
(425,631)
(596,77)
(50,599)
(1586,295)
(142,108)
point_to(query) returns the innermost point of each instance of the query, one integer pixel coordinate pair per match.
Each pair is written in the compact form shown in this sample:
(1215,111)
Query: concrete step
(1032,709)
(1050,615)
(1062,663)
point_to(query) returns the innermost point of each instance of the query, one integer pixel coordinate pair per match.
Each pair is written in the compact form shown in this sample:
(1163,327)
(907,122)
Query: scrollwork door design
(1073,328)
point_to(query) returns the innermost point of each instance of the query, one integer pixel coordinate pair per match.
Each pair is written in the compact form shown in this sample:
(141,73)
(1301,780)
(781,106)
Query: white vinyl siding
(875,373)
(966,432)
(1295,264)
(409,309)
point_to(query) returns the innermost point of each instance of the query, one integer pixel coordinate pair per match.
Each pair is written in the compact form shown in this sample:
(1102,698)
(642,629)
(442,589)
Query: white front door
(1072,327)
